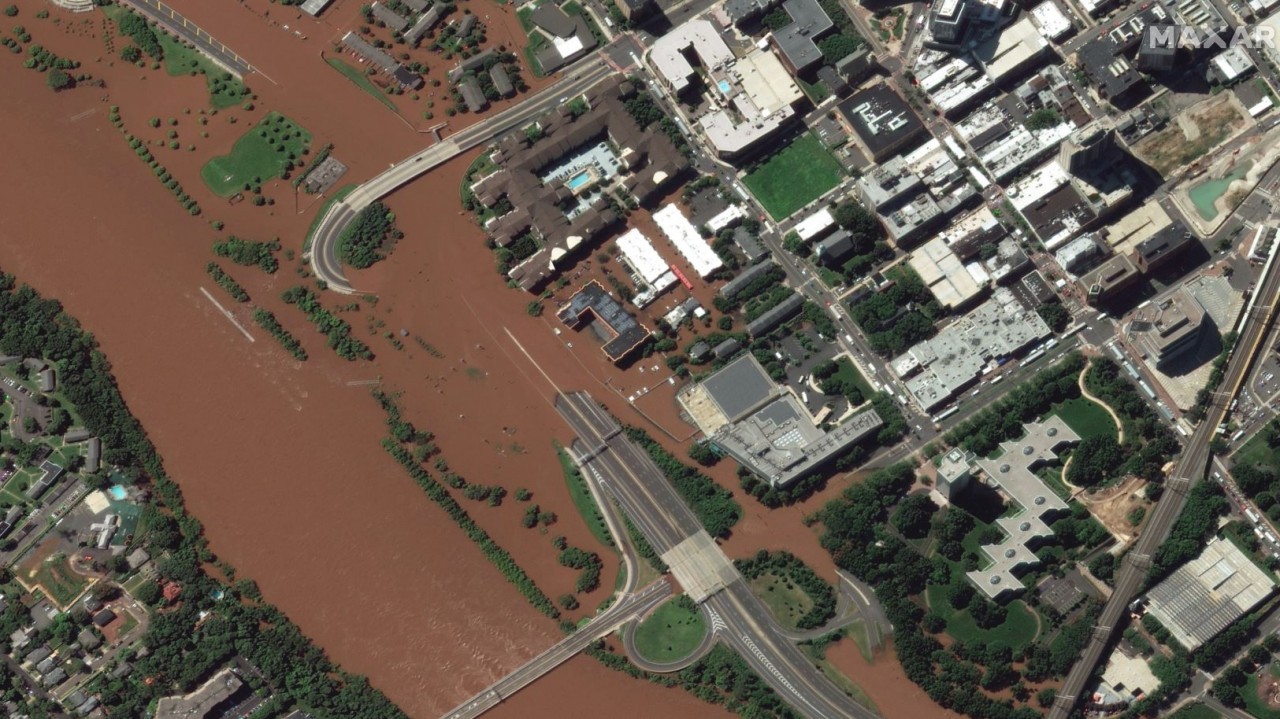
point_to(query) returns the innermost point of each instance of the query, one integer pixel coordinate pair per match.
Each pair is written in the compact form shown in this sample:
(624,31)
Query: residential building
(593,303)
(1159,49)
(796,42)
(222,691)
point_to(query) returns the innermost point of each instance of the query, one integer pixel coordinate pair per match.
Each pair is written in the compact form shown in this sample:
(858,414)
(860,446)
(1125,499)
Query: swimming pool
(579,180)
(117,492)
(724,86)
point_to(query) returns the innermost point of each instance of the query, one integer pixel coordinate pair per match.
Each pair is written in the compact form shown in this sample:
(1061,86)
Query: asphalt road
(739,619)
(628,608)
(323,248)
(183,28)
(1191,467)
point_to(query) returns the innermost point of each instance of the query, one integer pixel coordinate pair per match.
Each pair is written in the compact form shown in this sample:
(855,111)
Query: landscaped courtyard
(794,176)
(265,152)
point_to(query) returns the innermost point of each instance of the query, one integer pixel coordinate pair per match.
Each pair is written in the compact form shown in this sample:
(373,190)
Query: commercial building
(883,122)
(1013,471)
(373,55)
(1167,329)
(593,302)
(1159,49)
(1229,66)
(49,474)
(1012,51)
(913,221)
(1209,593)
(796,42)
(315,7)
(1110,278)
(815,226)
(543,179)
(211,699)
(1162,247)
(945,275)
(570,37)
(646,266)
(1105,60)
(750,97)
(685,238)
(1089,148)
(764,427)
(1051,19)
(955,472)
(1079,254)
(937,369)
(948,20)
(888,184)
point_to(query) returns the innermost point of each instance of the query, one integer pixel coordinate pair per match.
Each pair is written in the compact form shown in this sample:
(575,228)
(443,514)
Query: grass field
(56,577)
(794,176)
(849,373)
(1256,451)
(1195,711)
(787,602)
(259,155)
(671,633)
(582,499)
(361,80)
(224,89)
(1018,630)
(1254,703)
(1086,417)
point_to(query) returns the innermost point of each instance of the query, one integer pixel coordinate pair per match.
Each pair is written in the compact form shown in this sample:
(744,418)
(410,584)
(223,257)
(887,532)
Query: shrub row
(140,148)
(335,328)
(267,321)
(226,282)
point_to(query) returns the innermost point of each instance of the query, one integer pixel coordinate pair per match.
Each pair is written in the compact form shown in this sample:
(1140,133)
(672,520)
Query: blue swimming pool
(579,180)
(724,86)
(117,492)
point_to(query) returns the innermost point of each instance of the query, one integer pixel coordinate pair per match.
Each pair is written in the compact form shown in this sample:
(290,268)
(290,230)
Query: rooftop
(881,118)
(1209,593)
(593,302)
(796,41)
(203,702)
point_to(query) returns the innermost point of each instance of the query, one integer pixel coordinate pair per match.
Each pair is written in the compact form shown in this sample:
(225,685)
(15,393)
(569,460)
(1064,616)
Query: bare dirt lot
(1192,133)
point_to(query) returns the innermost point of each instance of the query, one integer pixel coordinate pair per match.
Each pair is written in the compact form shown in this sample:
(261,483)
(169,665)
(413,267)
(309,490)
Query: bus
(1032,357)
(998,380)
(944,414)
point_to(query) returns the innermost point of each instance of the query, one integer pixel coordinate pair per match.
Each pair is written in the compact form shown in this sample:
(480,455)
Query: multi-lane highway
(323,248)
(1190,468)
(740,619)
(630,607)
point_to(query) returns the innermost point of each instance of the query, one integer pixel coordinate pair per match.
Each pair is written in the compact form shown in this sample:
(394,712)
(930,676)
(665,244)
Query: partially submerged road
(1191,467)
(323,247)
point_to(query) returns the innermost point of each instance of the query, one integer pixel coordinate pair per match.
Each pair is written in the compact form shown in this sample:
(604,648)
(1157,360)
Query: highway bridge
(1191,467)
(322,250)
(740,619)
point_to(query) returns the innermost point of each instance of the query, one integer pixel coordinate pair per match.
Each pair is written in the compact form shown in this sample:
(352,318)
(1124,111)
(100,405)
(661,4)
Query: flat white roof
(642,256)
(1018,44)
(726,218)
(1037,185)
(567,46)
(1209,593)
(1053,22)
(667,53)
(815,224)
(766,81)
(687,241)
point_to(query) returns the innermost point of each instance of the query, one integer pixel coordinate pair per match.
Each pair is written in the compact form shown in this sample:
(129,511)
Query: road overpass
(739,618)
(630,607)
(322,250)
(1190,468)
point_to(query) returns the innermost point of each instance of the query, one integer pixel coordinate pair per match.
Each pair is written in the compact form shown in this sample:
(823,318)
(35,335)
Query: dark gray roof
(740,10)
(389,17)
(360,47)
(834,249)
(593,301)
(726,348)
(552,19)
(796,41)
(467,25)
(767,322)
(740,387)
(472,95)
(501,81)
(734,286)
(881,118)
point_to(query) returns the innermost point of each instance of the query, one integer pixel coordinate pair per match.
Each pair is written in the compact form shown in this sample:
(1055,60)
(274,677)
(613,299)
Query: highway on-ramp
(1190,468)
(323,248)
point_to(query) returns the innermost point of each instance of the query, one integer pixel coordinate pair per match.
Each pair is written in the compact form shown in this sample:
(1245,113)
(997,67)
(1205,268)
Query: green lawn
(1195,711)
(537,41)
(1256,451)
(849,373)
(794,176)
(671,633)
(1254,703)
(786,601)
(62,584)
(258,156)
(224,89)
(1086,417)
(361,80)
(582,499)
(1018,630)
(315,221)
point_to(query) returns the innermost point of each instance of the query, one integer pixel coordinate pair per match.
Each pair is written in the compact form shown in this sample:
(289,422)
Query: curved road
(322,250)
(638,659)
(1191,468)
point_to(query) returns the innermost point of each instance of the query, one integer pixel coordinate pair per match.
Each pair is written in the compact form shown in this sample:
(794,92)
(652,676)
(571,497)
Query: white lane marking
(228,315)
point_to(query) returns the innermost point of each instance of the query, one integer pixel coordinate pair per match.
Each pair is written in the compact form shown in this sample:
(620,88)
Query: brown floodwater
(281,460)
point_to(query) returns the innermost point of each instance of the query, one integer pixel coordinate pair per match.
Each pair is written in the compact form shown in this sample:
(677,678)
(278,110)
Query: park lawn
(179,59)
(315,221)
(1018,630)
(134,583)
(1195,711)
(794,176)
(849,373)
(582,499)
(1256,451)
(1086,417)
(254,158)
(787,602)
(357,76)
(671,633)
(1254,703)
(62,584)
